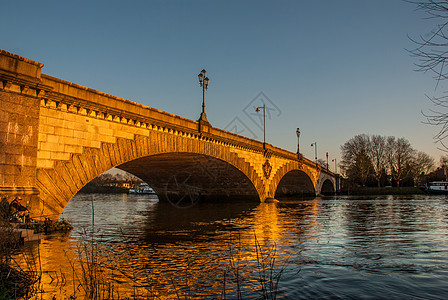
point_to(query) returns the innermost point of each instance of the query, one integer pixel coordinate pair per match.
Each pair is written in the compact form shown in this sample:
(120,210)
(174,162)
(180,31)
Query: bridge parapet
(77,99)
(25,77)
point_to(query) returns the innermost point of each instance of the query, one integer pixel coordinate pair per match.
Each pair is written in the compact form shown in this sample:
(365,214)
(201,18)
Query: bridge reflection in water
(335,247)
(151,248)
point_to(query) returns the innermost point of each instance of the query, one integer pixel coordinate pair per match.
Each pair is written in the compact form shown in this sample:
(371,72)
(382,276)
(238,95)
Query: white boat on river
(437,187)
(142,188)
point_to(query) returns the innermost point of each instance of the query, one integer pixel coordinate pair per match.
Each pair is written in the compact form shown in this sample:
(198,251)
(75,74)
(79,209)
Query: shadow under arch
(183,179)
(327,188)
(295,183)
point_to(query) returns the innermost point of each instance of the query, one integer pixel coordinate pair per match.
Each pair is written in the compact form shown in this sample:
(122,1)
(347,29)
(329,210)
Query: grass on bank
(17,282)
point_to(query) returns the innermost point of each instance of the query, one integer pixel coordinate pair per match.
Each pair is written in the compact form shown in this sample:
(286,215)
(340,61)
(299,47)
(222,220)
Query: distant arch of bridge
(57,136)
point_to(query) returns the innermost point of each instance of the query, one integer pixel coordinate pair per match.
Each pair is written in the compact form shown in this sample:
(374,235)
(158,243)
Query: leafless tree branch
(431,52)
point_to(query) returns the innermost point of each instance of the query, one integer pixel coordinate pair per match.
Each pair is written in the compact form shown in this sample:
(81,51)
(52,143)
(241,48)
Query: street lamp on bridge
(264,123)
(315,150)
(298,140)
(203,82)
(335,166)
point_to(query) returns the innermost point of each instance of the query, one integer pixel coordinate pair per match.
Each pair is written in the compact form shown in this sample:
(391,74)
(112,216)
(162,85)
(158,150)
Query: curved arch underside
(187,176)
(327,188)
(295,184)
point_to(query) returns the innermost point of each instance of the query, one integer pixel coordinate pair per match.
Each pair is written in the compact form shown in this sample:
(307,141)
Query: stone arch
(326,184)
(290,180)
(188,177)
(295,183)
(327,188)
(59,184)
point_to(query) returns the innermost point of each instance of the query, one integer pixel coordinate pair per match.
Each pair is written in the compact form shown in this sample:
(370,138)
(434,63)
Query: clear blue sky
(333,68)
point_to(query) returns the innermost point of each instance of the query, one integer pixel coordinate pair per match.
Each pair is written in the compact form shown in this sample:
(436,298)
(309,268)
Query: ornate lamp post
(264,123)
(327,161)
(203,82)
(298,140)
(315,150)
(335,166)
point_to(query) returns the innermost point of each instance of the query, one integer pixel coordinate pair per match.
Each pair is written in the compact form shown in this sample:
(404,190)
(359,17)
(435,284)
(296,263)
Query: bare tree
(131,178)
(444,161)
(377,154)
(355,161)
(432,56)
(106,178)
(366,157)
(400,156)
(431,50)
(422,164)
(444,164)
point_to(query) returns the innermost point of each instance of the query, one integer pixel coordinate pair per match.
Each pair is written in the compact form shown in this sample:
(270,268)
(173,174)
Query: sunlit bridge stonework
(56,136)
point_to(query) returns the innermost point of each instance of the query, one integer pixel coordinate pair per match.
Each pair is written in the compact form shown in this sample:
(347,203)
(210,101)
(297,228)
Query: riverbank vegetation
(108,183)
(48,226)
(374,160)
(17,282)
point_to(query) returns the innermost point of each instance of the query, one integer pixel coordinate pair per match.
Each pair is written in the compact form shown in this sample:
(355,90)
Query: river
(342,247)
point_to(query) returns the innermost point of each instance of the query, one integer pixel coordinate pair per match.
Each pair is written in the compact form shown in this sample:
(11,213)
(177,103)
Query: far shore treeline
(111,183)
(383,161)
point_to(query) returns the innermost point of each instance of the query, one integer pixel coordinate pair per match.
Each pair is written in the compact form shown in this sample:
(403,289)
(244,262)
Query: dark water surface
(328,248)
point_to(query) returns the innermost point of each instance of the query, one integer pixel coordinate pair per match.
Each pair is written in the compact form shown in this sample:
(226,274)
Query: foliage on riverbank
(374,160)
(48,226)
(14,283)
(92,188)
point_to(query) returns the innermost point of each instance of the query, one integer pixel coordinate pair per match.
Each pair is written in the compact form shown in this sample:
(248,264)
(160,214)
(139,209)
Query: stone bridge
(56,136)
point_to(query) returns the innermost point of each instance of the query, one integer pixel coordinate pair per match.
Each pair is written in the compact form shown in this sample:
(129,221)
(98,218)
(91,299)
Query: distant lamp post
(264,123)
(335,166)
(327,161)
(203,82)
(298,140)
(315,150)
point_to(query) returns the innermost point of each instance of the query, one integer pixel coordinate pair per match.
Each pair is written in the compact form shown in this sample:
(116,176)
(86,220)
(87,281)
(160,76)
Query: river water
(341,247)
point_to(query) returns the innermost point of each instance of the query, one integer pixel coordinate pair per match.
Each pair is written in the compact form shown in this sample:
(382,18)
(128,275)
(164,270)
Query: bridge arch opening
(327,188)
(295,183)
(185,178)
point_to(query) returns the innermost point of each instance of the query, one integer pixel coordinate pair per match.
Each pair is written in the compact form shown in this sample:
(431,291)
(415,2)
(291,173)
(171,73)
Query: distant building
(438,175)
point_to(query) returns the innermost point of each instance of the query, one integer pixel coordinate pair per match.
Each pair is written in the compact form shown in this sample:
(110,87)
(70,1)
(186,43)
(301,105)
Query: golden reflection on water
(190,258)
(144,249)
(266,227)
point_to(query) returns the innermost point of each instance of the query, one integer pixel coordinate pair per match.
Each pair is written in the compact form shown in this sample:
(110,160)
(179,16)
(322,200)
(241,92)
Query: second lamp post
(315,150)
(203,82)
(264,123)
